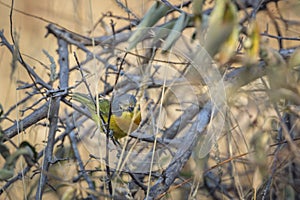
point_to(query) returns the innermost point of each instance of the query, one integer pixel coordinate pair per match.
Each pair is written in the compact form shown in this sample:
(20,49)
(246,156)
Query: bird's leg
(111,135)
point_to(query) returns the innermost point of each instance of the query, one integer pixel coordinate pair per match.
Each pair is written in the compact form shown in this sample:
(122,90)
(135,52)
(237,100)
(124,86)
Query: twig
(277,28)
(119,3)
(167,3)
(39,114)
(32,74)
(278,37)
(83,78)
(80,163)
(108,128)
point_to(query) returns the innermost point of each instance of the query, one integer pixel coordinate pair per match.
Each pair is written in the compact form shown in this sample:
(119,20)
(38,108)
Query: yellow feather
(121,125)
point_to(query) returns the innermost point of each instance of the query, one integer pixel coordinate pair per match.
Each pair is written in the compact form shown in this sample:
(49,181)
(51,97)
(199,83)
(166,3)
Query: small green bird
(122,112)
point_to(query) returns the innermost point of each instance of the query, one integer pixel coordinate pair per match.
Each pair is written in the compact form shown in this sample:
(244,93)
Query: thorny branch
(54,114)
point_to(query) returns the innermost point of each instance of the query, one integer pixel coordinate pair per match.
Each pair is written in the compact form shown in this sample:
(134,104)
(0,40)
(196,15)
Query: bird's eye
(130,109)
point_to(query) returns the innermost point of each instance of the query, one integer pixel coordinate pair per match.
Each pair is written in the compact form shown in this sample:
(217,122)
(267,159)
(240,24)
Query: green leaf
(180,24)
(222,21)
(26,150)
(252,42)
(6,174)
(1,110)
(155,13)
(4,151)
(31,154)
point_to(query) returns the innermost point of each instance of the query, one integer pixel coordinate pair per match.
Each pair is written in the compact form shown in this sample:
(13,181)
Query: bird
(124,117)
